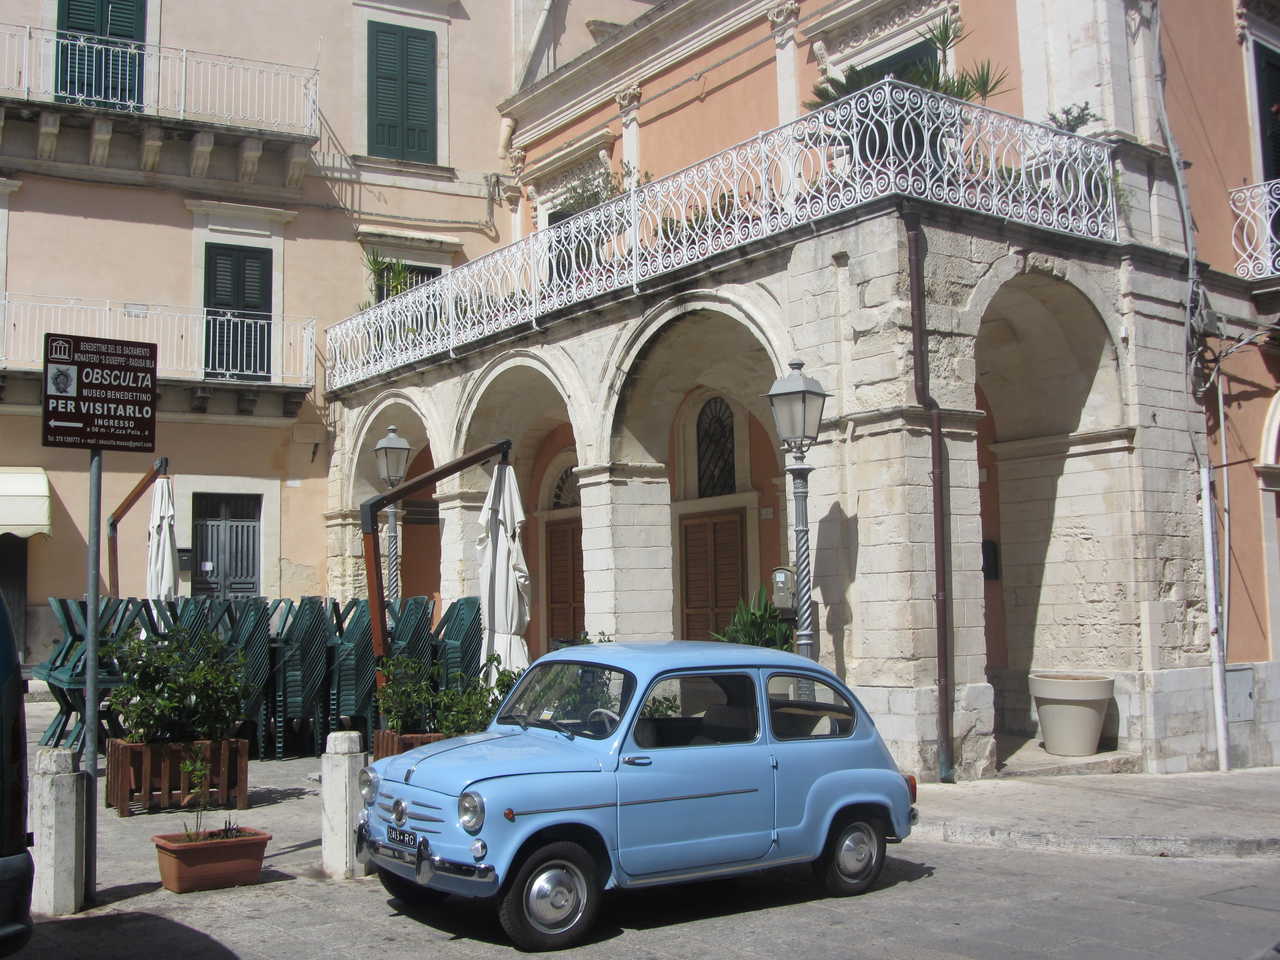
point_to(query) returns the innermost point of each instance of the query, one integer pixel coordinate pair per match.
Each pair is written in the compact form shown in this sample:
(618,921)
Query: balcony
(56,67)
(1256,234)
(242,350)
(889,139)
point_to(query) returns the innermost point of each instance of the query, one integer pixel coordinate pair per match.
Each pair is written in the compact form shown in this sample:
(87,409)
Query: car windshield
(577,699)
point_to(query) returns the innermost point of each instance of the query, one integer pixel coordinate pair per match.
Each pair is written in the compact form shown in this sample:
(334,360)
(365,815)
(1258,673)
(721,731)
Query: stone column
(628,102)
(784,18)
(626,550)
(345,553)
(340,804)
(459,530)
(57,823)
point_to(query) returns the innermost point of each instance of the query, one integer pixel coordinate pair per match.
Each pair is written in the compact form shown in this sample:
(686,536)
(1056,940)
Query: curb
(984,835)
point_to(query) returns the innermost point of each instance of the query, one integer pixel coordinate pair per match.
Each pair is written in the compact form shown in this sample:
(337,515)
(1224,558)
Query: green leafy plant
(758,623)
(404,698)
(197,769)
(467,704)
(1072,117)
(596,186)
(178,687)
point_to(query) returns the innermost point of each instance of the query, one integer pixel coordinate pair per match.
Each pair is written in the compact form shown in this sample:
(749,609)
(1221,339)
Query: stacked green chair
(353,677)
(301,687)
(412,635)
(460,641)
(64,671)
(250,623)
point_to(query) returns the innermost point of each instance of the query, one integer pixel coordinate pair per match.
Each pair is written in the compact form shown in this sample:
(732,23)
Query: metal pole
(804,587)
(1215,637)
(393,554)
(91,680)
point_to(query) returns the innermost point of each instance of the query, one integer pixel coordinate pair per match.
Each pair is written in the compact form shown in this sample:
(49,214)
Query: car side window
(806,708)
(693,710)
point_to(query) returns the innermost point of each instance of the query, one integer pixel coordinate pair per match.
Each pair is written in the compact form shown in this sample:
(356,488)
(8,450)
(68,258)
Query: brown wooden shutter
(712,572)
(565,586)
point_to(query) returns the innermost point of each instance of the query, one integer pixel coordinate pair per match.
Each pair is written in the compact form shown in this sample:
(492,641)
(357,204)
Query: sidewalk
(1235,814)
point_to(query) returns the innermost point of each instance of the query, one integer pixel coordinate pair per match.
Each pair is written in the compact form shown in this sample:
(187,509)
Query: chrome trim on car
(741,867)
(581,806)
(691,796)
(424,862)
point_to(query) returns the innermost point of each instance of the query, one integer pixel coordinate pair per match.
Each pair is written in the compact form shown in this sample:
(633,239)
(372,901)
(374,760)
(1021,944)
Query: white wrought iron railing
(1256,234)
(891,138)
(194,344)
(56,66)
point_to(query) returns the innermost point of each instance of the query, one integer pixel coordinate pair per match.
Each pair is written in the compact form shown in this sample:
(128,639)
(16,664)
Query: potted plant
(758,623)
(182,695)
(1071,708)
(405,701)
(199,859)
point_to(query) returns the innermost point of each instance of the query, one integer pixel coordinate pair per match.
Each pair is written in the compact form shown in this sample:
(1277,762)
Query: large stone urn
(1071,707)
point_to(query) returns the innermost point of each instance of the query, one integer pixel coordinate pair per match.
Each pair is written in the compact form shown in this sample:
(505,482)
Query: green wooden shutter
(109,74)
(237,299)
(119,19)
(402,93)
(81,16)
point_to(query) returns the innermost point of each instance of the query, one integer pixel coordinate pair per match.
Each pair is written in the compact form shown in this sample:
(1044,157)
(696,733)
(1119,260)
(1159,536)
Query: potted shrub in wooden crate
(182,697)
(434,708)
(200,859)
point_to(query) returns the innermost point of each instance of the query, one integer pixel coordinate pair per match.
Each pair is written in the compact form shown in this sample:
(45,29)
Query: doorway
(225,544)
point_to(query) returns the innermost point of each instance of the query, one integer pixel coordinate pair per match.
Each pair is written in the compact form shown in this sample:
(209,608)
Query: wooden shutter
(565,586)
(81,16)
(402,93)
(1268,66)
(237,299)
(108,75)
(712,575)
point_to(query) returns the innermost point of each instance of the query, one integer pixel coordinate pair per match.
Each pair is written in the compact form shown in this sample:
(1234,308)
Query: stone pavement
(296,912)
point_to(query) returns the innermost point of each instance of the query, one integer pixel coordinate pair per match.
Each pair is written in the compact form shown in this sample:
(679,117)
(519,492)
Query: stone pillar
(460,528)
(784,17)
(345,548)
(626,550)
(57,823)
(628,101)
(340,804)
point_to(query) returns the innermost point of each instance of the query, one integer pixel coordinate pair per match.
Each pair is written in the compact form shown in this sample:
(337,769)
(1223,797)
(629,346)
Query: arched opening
(692,401)
(523,404)
(1053,465)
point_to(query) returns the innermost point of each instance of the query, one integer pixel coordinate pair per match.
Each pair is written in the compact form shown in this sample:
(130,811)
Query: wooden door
(713,576)
(566,618)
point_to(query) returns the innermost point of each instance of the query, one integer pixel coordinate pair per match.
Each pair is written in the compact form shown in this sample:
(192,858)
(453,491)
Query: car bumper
(426,868)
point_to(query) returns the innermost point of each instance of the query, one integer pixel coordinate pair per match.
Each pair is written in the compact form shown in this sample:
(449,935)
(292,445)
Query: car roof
(651,658)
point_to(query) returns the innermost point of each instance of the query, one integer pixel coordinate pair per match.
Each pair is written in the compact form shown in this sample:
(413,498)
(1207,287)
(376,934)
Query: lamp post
(796,402)
(392,455)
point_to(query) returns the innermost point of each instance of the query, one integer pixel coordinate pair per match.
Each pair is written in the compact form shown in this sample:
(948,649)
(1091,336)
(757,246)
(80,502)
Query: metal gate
(225,551)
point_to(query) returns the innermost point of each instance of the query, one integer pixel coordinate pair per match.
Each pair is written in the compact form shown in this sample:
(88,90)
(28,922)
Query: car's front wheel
(553,900)
(854,855)
(408,892)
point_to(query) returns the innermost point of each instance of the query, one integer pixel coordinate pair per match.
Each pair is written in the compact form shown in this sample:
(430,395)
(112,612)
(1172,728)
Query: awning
(24,501)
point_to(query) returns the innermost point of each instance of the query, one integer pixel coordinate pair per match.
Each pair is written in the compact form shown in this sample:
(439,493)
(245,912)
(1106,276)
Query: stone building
(625,350)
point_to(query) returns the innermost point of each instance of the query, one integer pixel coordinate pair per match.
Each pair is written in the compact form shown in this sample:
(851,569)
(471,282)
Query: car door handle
(635,761)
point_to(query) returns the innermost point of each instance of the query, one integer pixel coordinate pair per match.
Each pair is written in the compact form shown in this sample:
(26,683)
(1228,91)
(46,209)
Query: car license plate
(406,838)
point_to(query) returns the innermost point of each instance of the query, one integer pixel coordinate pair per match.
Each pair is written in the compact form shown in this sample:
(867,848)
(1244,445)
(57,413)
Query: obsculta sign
(99,393)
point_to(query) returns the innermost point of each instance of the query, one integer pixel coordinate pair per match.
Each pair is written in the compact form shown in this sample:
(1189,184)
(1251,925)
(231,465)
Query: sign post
(97,394)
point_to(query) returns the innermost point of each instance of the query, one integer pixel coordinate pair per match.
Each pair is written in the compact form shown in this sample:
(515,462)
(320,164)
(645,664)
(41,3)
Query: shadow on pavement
(266,796)
(121,935)
(124,891)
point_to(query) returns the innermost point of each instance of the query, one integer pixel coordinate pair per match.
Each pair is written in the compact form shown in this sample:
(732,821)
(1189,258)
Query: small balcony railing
(55,66)
(1256,234)
(194,344)
(891,138)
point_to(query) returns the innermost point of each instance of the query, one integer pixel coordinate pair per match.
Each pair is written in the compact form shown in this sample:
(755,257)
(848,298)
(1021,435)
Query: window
(690,711)
(104,68)
(1267,63)
(904,63)
(237,300)
(402,93)
(397,277)
(565,493)
(804,708)
(715,449)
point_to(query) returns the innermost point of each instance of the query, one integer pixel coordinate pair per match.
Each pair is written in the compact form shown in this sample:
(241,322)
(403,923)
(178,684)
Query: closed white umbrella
(504,576)
(162,543)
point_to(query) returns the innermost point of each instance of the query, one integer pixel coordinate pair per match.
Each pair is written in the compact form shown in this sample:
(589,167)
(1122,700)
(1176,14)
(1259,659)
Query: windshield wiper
(520,718)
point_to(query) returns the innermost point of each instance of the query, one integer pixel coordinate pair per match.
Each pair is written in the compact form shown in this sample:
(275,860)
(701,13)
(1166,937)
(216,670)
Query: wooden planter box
(387,743)
(148,776)
(210,864)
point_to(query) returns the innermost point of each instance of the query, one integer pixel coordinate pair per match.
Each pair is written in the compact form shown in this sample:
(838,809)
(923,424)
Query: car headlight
(368,783)
(471,812)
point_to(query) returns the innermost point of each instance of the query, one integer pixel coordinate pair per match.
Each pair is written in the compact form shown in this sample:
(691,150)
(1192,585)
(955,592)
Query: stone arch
(750,307)
(394,407)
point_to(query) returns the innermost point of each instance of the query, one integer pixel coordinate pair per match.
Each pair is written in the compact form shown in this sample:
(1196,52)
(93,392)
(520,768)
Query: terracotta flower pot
(210,864)
(1071,707)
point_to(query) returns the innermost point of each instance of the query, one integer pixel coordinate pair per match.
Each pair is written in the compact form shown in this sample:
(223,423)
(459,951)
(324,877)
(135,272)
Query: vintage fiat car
(630,765)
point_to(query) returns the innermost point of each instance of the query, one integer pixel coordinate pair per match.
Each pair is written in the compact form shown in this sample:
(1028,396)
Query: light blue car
(631,765)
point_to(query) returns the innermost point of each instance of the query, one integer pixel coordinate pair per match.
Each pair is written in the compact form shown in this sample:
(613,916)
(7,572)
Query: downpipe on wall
(940,482)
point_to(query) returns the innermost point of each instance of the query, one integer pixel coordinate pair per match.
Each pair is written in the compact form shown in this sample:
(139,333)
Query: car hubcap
(555,896)
(857,852)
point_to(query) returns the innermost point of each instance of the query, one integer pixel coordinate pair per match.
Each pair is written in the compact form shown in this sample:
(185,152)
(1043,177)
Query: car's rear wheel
(854,855)
(553,900)
(408,892)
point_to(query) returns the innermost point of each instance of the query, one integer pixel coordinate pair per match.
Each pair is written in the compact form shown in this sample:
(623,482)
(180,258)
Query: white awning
(24,501)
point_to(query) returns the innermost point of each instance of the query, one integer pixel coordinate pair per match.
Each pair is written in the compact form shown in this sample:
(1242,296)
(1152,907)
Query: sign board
(99,393)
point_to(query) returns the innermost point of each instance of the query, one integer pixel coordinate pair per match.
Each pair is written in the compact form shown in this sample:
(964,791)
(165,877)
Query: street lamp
(796,402)
(392,455)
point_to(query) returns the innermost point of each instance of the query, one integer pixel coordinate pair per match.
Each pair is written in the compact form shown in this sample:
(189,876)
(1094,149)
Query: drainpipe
(940,481)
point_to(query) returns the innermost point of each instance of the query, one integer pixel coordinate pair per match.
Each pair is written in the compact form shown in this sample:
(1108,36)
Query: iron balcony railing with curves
(1256,234)
(890,138)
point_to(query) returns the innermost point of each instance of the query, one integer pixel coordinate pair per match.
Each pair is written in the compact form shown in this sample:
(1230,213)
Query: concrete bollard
(57,825)
(340,804)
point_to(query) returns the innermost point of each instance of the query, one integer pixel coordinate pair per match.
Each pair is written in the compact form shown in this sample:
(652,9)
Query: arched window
(715,449)
(565,493)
